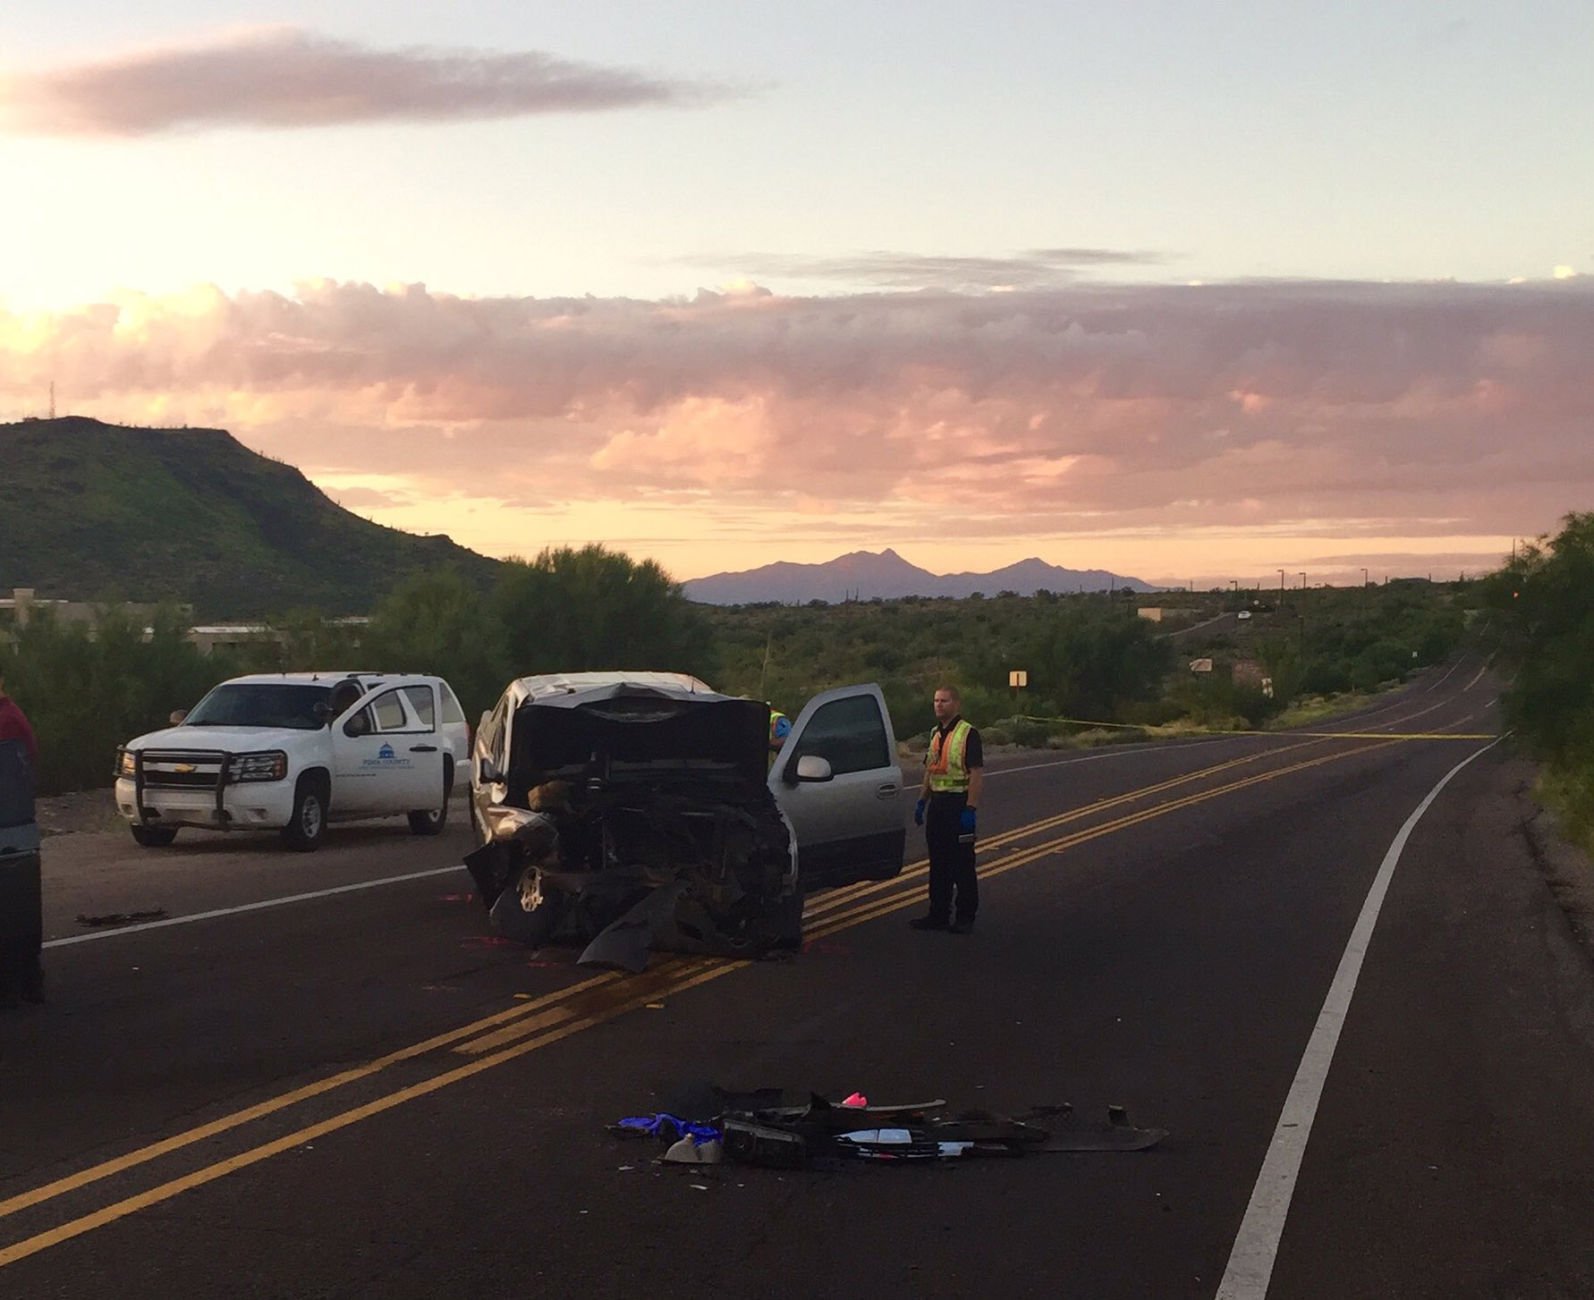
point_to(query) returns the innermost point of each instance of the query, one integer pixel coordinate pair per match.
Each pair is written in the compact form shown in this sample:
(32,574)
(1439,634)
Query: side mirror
(321,711)
(358,725)
(489,773)
(177,716)
(813,767)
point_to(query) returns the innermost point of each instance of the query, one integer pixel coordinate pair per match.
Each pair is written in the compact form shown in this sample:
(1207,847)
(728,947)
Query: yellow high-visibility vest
(779,728)
(949,772)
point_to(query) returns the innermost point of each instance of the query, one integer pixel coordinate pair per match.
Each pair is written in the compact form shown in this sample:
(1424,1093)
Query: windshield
(261,704)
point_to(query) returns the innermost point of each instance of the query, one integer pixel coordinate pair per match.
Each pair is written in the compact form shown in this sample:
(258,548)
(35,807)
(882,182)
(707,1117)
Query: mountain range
(867,575)
(101,512)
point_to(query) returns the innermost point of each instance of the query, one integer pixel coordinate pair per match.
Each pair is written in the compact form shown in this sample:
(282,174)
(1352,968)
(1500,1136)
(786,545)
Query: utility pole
(1303,582)
(52,399)
(769,643)
(1281,588)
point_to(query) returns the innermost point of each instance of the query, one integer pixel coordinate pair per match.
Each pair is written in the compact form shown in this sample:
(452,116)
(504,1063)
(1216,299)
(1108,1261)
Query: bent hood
(232,740)
(626,725)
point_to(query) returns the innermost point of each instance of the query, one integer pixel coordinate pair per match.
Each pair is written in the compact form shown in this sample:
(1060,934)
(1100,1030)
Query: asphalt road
(1369,1034)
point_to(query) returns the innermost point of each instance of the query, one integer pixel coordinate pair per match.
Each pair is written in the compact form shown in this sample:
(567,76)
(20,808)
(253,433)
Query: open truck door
(839,782)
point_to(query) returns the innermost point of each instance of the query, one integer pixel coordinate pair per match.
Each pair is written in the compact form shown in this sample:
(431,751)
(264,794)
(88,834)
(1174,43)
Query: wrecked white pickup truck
(629,811)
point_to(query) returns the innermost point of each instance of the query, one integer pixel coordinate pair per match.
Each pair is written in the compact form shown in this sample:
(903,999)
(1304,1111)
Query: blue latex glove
(918,813)
(966,821)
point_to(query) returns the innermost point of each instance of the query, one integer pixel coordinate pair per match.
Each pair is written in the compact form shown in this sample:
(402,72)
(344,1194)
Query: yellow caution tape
(1151,729)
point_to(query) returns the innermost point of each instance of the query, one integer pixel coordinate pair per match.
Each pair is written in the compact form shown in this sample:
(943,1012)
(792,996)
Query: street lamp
(1303,582)
(1281,586)
(1364,579)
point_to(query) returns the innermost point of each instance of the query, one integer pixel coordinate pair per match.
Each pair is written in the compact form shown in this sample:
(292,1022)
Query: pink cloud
(282,77)
(1372,410)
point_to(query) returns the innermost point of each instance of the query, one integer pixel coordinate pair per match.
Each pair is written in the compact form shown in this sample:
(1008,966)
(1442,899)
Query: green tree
(596,609)
(1088,665)
(1539,618)
(438,621)
(87,688)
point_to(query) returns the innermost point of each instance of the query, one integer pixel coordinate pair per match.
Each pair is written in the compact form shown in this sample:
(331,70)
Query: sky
(1192,292)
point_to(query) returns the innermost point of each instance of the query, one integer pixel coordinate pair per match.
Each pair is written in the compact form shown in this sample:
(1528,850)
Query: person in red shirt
(14,724)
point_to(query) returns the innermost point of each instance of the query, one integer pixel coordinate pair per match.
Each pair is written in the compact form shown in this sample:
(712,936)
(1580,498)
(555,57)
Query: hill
(92,511)
(866,575)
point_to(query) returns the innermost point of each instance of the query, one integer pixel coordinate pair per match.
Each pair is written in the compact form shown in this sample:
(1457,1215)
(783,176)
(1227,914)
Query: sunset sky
(1189,291)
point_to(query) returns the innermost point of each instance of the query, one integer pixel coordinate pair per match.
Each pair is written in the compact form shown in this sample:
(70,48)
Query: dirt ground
(1567,869)
(82,810)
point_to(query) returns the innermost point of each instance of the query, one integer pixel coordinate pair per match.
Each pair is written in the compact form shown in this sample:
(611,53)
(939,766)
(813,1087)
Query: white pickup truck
(293,751)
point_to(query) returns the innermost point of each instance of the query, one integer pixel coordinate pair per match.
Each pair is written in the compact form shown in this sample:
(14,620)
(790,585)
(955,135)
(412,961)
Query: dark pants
(951,863)
(21,927)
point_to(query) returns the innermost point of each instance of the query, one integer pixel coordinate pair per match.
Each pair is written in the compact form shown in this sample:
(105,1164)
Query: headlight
(271,765)
(535,830)
(126,764)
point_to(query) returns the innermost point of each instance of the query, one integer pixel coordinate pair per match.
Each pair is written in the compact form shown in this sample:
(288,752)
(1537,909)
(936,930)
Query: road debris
(778,1130)
(122,918)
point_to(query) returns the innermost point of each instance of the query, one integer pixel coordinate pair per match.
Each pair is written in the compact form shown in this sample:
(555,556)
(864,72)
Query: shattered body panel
(634,816)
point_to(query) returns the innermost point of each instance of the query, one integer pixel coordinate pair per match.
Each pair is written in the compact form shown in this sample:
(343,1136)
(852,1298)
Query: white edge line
(1250,1266)
(250,907)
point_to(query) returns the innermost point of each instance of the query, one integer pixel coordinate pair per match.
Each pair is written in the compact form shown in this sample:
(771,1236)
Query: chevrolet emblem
(183,768)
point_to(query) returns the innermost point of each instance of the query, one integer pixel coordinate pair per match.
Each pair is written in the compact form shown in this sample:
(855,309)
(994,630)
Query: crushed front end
(640,821)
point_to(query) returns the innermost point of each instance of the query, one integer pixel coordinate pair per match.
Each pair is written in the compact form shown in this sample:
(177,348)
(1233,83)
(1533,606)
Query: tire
(152,837)
(432,823)
(308,825)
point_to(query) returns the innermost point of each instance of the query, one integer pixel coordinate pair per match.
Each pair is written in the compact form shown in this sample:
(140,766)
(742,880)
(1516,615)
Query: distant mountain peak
(886,575)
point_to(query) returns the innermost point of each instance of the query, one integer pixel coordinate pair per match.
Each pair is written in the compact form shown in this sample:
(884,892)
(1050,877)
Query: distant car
(1243,615)
(293,751)
(636,810)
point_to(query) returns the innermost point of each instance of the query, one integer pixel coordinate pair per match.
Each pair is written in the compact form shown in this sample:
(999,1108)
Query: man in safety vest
(954,771)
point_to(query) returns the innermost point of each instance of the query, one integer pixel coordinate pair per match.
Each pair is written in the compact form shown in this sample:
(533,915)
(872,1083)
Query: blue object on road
(677,1127)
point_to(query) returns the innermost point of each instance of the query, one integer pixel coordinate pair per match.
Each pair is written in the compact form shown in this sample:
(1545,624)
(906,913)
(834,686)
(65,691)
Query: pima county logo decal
(385,758)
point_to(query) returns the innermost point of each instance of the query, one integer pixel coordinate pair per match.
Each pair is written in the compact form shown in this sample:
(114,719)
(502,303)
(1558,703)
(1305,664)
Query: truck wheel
(309,821)
(153,837)
(432,823)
